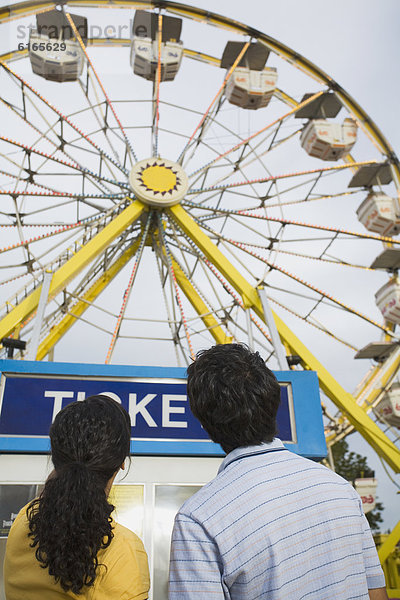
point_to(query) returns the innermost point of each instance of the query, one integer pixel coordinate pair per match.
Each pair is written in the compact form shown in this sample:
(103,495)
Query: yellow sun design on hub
(159,179)
(158,182)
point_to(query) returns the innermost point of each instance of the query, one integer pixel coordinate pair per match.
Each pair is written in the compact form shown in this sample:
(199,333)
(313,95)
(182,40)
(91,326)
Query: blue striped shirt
(273,525)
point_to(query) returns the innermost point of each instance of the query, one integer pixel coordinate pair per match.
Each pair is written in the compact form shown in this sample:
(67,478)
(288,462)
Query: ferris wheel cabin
(389,407)
(378,213)
(251,84)
(54,52)
(321,138)
(145,46)
(327,140)
(366,489)
(388,300)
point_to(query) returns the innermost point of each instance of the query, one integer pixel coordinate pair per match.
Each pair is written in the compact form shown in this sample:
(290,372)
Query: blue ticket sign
(32,393)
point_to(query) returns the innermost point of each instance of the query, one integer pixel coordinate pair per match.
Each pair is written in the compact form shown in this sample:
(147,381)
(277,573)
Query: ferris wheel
(171,178)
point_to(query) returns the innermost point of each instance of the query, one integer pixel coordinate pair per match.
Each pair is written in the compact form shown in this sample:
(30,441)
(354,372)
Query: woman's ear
(123,466)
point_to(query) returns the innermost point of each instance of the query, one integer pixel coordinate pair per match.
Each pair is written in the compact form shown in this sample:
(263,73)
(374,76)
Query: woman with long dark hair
(65,543)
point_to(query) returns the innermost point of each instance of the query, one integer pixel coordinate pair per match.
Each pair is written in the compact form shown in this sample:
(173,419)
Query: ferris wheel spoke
(44,135)
(156,90)
(204,171)
(268,196)
(212,120)
(236,167)
(87,199)
(83,47)
(29,150)
(307,317)
(274,266)
(185,278)
(63,118)
(76,302)
(32,259)
(271,147)
(58,194)
(171,316)
(316,325)
(274,178)
(269,238)
(282,221)
(39,238)
(205,126)
(237,300)
(101,118)
(15,277)
(203,306)
(313,199)
(52,190)
(252,149)
(29,259)
(107,272)
(172,275)
(330,259)
(205,142)
(48,251)
(128,290)
(214,100)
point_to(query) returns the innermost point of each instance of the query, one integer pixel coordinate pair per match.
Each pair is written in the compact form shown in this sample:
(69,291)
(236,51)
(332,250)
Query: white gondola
(378,214)
(144,58)
(327,140)
(145,48)
(53,51)
(251,89)
(389,407)
(366,488)
(388,300)
(252,84)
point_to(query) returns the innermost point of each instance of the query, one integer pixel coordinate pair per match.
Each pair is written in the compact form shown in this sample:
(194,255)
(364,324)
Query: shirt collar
(243,451)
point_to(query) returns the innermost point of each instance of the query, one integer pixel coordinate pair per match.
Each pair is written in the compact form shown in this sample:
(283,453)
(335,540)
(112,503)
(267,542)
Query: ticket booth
(172,456)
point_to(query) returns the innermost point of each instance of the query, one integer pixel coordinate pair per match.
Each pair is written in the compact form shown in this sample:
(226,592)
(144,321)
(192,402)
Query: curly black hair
(71,519)
(234,395)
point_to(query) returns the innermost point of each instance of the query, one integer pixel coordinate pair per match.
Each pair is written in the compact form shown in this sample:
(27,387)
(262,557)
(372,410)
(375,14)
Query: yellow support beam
(200,307)
(389,544)
(72,267)
(379,378)
(384,376)
(384,381)
(85,301)
(343,400)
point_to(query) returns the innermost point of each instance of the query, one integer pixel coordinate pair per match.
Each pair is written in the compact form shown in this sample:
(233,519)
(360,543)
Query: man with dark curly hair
(271,525)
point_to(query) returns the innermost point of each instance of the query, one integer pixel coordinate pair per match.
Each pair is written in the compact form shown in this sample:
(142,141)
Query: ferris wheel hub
(158,182)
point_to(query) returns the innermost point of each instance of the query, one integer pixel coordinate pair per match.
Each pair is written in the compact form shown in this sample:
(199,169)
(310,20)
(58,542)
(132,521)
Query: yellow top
(126,576)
